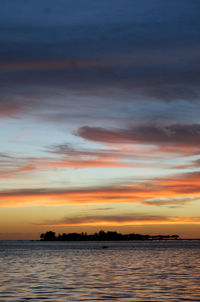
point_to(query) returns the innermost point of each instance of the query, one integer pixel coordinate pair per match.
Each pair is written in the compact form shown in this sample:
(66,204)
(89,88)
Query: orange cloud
(15,167)
(123,220)
(74,158)
(13,172)
(176,190)
(98,163)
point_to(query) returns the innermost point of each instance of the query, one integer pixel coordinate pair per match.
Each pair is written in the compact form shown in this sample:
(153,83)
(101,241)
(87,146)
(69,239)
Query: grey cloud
(176,134)
(53,43)
(104,209)
(111,218)
(75,152)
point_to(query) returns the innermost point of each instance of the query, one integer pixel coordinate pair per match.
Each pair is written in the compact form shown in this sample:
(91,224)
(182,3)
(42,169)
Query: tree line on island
(102,236)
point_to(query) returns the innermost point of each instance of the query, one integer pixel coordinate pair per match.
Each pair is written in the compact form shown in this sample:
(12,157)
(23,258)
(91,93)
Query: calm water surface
(125,271)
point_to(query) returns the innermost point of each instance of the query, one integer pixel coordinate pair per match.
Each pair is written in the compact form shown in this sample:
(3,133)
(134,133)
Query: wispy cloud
(174,202)
(11,166)
(180,189)
(134,219)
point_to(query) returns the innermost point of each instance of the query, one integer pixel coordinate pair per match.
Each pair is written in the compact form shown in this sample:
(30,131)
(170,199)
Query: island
(102,236)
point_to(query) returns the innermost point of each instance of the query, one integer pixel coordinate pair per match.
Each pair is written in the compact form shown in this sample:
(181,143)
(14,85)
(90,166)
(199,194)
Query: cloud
(180,189)
(79,63)
(65,156)
(176,134)
(70,152)
(92,51)
(99,163)
(98,76)
(120,220)
(175,202)
(67,64)
(104,209)
(17,102)
(83,157)
(10,109)
(11,167)
(191,164)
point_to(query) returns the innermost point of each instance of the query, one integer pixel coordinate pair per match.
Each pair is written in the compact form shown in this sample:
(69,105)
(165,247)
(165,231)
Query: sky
(99,117)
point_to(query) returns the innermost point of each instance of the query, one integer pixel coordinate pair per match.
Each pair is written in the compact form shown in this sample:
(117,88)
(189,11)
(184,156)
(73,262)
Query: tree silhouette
(48,236)
(102,236)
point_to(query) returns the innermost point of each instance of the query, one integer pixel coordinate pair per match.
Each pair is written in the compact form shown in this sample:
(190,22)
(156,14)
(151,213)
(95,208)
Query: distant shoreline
(104,236)
(147,240)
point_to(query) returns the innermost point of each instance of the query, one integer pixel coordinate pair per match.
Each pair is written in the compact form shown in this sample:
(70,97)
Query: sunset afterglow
(99,117)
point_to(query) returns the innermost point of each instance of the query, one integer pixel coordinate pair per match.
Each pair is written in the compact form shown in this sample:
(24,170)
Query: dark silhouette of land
(102,236)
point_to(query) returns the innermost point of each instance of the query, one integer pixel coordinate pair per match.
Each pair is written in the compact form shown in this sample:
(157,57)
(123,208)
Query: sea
(100,271)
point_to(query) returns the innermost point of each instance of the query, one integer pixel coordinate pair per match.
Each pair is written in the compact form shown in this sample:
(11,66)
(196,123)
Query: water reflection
(70,272)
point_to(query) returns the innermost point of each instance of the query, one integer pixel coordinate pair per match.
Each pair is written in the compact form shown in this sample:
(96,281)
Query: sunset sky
(99,117)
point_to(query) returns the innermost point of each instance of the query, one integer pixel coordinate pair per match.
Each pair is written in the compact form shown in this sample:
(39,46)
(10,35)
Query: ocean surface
(125,271)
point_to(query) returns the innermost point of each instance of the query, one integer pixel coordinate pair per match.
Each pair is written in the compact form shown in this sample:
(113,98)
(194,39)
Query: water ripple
(139,271)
